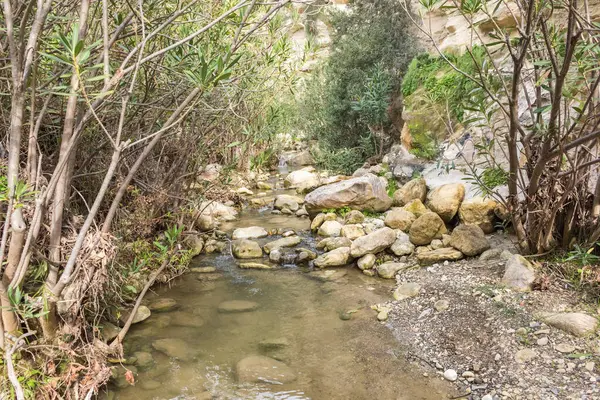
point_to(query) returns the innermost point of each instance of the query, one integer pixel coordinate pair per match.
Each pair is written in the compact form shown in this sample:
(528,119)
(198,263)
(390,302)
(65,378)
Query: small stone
(406,291)
(383,315)
(590,366)
(450,375)
(468,375)
(498,357)
(564,348)
(542,341)
(525,355)
(521,331)
(487,397)
(441,305)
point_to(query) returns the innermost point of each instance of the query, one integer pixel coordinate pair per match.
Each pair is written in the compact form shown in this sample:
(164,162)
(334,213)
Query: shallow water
(332,358)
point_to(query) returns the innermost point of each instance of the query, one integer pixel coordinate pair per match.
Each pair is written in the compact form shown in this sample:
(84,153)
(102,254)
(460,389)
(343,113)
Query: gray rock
(519,274)
(577,324)
(565,348)
(164,304)
(283,242)
(330,229)
(366,262)
(175,348)
(142,314)
(389,270)
(251,232)
(469,240)
(335,258)
(363,193)
(402,246)
(450,375)
(441,305)
(354,217)
(373,243)
(525,355)
(352,231)
(429,257)
(284,201)
(334,243)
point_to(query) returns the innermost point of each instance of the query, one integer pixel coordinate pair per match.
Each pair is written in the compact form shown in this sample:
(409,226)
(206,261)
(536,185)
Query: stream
(318,324)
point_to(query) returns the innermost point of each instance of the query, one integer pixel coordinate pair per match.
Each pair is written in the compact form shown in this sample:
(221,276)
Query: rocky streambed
(309,297)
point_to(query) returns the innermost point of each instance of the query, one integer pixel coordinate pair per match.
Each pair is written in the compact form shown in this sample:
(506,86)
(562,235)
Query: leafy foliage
(345,105)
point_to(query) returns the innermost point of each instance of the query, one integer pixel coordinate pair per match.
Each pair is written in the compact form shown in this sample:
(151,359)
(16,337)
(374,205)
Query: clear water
(333,358)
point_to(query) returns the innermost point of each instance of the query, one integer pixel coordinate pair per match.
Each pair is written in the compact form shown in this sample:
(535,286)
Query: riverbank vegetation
(110,109)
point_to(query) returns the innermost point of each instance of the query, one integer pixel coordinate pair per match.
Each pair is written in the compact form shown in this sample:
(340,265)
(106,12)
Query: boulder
(363,193)
(416,207)
(218,210)
(175,348)
(244,248)
(298,158)
(302,180)
(389,270)
(330,229)
(335,258)
(413,190)
(334,243)
(406,291)
(519,274)
(302,212)
(469,239)
(435,256)
(402,246)
(578,324)
(195,243)
(397,218)
(366,262)
(206,223)
(353,231)
(445,200)
(427,227)
(283,242)
(251,232)
(317,221)
(478,211)
(373,243)
(162,305)
(262,369)
(354,217)
(237,306)
(292,203)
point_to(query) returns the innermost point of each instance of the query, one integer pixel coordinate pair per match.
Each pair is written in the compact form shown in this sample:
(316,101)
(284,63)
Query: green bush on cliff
(346,104)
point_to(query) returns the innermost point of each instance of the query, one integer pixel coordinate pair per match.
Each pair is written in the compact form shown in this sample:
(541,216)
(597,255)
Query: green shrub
(345,104)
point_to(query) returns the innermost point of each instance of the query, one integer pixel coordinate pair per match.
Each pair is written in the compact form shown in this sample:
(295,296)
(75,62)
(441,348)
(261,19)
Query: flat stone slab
(203,270)
(161,305)
(237,306)
(255,265)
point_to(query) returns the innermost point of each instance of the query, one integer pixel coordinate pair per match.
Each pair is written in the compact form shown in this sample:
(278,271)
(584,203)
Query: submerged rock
(175,348)
(237,306)
(261,369)
(329,274)
(164,304)
(363,193)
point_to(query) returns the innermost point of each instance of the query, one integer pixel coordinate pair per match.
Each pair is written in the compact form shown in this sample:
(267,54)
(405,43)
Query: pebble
(487,397)
(450,375)
(564,348)
(441,305)
(542,341)
(590,366)
(468,375)
(497,357)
